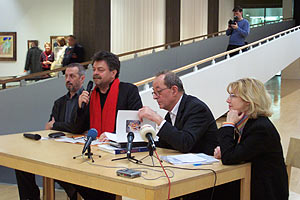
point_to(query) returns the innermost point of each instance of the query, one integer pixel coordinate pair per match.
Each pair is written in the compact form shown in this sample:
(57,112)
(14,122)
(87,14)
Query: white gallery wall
(33,20)
(225,13)
(137,24)
(193,18)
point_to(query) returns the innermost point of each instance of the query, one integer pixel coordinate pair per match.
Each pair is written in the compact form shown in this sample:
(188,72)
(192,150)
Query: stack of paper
(81,140)
(190,158)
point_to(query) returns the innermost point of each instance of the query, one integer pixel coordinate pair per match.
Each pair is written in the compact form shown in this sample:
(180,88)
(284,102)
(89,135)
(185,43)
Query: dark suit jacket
(195,128)
(128,99)
(77,50)
(260,145)
(33,60)
(58,112)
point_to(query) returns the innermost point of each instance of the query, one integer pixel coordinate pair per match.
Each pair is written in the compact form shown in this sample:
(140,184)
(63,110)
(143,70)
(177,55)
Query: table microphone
(148,133)
(32,136)
(88,88)
(92,134)
(130,137)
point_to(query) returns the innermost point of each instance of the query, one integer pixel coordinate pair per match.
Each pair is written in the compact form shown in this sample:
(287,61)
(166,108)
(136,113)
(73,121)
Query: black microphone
(92,134)
(130,137)
(32,136)
(151,141)
(89,87)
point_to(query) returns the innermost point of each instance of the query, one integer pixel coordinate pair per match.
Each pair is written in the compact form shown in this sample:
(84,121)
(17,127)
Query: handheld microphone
(130,137)
(148,133)
(88,88)
(32,136)
(92,134)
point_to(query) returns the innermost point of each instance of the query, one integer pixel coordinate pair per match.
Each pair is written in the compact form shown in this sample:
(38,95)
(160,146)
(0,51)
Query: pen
(197,164)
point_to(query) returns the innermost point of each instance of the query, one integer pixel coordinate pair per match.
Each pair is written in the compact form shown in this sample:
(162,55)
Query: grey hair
(81,69)
(171,79)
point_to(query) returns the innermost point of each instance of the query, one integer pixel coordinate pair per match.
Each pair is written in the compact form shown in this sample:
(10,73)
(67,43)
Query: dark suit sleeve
(195,126)
(80,54)
(253,144)
(134,98)
(59,123)
(27,64)
(82,120)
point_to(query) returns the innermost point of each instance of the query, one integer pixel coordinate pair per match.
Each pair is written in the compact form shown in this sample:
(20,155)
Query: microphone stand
(89,154)
(151,149)
(129,157)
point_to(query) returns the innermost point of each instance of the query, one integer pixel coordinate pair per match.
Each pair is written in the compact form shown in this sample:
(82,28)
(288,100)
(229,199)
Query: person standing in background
(59,52)
(47,57)
(238,30)
(74,53)
(32,64)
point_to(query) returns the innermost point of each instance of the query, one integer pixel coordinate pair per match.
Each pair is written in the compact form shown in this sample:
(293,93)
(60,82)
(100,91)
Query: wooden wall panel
(172,20)
(92,21)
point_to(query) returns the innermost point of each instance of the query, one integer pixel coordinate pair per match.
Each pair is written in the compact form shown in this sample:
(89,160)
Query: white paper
(200,159)
(81,140)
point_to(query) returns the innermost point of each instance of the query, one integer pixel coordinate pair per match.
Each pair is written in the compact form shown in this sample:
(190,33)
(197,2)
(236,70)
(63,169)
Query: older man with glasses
(189,125)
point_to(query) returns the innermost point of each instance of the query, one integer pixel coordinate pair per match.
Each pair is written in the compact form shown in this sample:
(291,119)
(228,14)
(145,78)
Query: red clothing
(46,57)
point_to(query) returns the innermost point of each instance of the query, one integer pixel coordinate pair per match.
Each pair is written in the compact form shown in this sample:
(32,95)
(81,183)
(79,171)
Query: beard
(70,87)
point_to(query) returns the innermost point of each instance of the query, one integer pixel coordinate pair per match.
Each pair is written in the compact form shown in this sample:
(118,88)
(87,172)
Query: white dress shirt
(173,114)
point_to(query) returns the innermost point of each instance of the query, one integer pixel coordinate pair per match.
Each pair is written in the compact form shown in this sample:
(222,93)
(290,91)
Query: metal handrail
(213,58)
(40,74)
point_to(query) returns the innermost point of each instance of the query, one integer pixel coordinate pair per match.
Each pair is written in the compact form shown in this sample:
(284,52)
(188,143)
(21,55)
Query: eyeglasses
(158,92)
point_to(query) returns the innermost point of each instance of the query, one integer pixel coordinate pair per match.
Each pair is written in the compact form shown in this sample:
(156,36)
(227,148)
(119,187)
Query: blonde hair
(47,44)
(252,91)
(61,41)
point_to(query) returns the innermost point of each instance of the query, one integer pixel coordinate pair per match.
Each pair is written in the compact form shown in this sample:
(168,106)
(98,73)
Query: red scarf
(104,120)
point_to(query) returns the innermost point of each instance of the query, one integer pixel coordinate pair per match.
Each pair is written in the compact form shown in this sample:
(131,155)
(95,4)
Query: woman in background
(59,53)
(47,57)
(249,136)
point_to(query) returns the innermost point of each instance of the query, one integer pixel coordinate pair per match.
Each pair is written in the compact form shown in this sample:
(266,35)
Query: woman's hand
(217,152)
(234,117)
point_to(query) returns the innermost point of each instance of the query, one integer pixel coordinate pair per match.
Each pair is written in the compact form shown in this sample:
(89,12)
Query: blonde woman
(47,57)
(249,136)
(59,52)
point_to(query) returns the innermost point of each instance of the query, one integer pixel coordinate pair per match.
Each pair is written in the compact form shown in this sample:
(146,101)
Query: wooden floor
(286,107)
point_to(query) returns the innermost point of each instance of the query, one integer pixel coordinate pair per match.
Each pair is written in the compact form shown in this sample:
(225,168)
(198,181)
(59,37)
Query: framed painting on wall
(53,40)
(8,46)
(30,42)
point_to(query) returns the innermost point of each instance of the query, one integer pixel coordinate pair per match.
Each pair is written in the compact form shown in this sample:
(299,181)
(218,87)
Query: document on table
(74,140)
(190,158)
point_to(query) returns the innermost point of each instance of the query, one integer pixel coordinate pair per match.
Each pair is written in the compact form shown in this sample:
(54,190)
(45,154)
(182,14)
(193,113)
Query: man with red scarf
(108,96)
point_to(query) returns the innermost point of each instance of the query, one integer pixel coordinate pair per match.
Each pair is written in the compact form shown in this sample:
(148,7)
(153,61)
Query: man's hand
(49,125)
(84,97)
(235,26)
(148,113)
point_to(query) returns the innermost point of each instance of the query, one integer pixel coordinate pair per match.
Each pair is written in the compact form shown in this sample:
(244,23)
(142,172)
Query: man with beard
(61,119)
(65,108)
(109,96)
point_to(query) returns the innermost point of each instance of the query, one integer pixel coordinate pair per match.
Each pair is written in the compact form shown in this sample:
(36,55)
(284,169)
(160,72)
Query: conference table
(54,160)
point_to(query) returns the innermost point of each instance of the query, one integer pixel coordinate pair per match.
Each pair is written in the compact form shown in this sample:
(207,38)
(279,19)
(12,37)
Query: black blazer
(128,99)
(260,145)
(195,128)
(76,50)
(58,112)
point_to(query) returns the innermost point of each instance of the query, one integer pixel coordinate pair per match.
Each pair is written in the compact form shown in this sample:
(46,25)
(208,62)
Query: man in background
(74,53)
(33,63)
(238,30)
